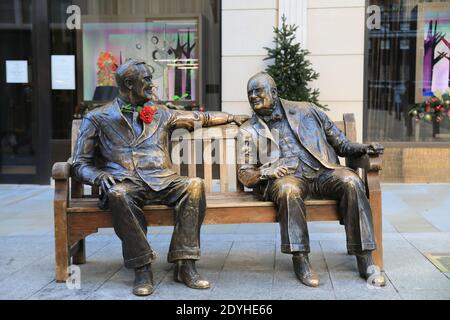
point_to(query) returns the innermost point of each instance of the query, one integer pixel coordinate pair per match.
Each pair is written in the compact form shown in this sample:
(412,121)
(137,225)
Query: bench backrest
(211,154)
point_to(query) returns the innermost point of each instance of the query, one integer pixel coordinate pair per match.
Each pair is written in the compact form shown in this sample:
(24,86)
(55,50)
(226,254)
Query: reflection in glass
(169,47)
(409,60)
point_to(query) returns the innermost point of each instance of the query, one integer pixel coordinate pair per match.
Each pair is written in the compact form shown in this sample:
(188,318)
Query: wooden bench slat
(192,150)
(224,187)
(176,159)
(214,200)
(90,219)
(207,164)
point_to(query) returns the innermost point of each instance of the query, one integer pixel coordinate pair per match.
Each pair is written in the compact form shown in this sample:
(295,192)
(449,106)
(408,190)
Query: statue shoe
(186,272)
(143,281)
(368,270)
(304,271)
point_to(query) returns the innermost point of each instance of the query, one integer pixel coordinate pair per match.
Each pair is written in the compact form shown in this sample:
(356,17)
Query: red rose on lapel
(147,114)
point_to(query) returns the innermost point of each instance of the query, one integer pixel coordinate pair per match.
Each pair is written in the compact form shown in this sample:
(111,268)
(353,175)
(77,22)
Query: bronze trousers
(343,185)
(126,200)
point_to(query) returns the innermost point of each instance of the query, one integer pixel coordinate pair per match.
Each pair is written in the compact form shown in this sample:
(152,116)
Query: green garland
(432,108)
(129,109)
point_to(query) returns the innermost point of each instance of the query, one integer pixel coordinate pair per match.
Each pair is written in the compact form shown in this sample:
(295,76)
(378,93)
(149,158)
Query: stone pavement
(241,261)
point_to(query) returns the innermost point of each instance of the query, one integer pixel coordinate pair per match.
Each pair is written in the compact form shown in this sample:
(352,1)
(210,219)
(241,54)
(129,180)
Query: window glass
(408,72)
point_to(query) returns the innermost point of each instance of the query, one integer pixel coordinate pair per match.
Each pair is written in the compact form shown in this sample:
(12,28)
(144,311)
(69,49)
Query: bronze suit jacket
(107,143)
(314,131)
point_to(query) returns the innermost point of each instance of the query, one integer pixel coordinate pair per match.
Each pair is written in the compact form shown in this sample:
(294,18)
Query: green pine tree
(291,70)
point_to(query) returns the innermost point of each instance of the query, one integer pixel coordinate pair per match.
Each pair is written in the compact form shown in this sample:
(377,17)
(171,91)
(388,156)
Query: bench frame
(76,215)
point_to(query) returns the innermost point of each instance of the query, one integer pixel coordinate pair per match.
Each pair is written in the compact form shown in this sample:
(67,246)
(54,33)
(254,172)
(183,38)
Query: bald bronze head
(134,80)
(262,94)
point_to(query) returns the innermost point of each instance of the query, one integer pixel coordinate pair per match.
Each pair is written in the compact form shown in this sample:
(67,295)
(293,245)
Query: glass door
(23,143)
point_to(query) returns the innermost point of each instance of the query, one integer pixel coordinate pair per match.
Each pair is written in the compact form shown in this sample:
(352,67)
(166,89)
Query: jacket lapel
(262,129)
(296,117)
(149,128)
(120,124)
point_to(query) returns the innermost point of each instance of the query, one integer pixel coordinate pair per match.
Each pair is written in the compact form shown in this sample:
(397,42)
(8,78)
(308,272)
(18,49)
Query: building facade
(58,61)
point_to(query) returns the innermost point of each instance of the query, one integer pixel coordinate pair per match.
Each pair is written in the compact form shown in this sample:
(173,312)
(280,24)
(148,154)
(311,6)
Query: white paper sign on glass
(63,72)
(16,71)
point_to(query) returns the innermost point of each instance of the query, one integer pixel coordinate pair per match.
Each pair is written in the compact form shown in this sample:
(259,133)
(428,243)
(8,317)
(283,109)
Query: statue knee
(196,187)
(289,190)
(117,192)
(353,182)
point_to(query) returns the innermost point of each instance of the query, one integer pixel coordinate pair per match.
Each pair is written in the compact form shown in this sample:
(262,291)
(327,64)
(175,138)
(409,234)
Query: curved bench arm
(366,162)
(61,171)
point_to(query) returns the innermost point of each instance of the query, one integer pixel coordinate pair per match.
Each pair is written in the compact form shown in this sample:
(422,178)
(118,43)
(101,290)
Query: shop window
(409,64)
(170,47)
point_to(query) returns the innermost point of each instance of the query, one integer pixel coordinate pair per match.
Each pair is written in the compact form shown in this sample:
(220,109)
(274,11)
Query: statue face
(261,96)
(141,86)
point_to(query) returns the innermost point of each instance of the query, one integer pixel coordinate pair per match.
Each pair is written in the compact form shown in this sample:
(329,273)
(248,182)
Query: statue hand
(240,119)
(274,173)
(374,149)
(106,181)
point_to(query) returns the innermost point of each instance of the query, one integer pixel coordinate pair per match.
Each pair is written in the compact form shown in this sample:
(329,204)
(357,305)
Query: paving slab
(241,261)
(347,283)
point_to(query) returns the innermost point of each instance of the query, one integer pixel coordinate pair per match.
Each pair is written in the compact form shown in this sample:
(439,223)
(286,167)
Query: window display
(170,47)
(408,73)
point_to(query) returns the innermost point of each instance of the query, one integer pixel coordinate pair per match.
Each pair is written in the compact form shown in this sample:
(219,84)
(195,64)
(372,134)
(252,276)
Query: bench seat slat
(83,214)
(213,200)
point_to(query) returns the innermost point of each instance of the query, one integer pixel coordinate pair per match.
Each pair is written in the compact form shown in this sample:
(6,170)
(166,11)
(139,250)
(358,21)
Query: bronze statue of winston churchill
(123,147)
(289,151)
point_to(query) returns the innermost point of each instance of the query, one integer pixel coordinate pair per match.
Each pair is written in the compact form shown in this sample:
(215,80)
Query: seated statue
(289,151)
(124,148)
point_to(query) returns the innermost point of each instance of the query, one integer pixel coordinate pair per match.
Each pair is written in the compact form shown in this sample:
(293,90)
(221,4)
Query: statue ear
(128,83)
(275,92)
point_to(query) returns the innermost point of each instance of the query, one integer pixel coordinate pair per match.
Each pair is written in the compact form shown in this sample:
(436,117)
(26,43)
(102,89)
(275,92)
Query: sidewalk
(241,261)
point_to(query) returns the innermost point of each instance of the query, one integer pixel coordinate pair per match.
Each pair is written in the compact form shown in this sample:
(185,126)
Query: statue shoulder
(247,125)
(97,112)
(298,106)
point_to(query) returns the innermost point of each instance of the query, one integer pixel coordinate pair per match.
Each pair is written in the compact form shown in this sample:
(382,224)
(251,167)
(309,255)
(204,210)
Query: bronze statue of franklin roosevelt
(289,151)
(130,160)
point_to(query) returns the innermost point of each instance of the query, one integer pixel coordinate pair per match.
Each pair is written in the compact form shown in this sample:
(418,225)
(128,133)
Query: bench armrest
(369,163)
(61,171)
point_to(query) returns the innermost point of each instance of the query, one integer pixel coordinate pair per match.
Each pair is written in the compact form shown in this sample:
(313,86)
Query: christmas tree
(291,70)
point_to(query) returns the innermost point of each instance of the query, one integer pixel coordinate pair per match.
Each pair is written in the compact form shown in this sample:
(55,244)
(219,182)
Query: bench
(76,214)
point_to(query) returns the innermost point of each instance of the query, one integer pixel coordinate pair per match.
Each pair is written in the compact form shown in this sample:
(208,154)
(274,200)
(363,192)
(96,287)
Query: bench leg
(62,252)
(62,265)
(62,255)
(375,203)
(80,256)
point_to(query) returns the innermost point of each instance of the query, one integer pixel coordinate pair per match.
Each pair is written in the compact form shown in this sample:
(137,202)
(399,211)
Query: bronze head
(262,94)
(134,80)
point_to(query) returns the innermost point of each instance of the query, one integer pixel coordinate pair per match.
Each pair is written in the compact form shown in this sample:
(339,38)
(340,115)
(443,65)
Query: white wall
(247,27)
(334,34)
(335,38)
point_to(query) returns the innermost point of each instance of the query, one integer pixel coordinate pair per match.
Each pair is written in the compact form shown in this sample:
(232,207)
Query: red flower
(147,114)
